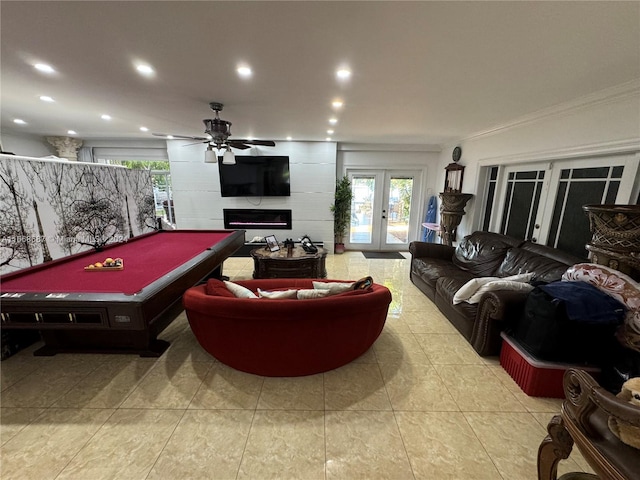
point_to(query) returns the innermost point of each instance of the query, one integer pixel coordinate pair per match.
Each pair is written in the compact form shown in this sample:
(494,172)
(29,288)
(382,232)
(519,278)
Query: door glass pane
(574,230)
(521,204)
(399,210)
(363,188)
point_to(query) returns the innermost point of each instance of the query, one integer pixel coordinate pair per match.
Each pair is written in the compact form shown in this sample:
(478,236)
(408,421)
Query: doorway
(382,209)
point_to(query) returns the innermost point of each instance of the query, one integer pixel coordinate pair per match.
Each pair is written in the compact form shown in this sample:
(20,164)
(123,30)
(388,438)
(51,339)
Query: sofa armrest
(493,308)
(431,250)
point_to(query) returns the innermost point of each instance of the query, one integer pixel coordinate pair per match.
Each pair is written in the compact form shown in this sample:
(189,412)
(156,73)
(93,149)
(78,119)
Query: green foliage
(144,164)
(341,208)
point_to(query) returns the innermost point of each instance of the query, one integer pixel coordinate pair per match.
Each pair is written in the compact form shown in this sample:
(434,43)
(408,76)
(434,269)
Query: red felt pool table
(115,311)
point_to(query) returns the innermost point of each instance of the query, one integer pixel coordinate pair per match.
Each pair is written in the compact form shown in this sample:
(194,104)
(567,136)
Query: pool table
(114,311)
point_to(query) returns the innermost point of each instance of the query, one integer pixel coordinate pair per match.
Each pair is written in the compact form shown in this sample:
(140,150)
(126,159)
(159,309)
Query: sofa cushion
(278,294)
(446,288)
(431,269)
(481,253)
(218,288)
(518,260)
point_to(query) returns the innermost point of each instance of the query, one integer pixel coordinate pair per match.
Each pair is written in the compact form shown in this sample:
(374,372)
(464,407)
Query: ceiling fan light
(229,158)
(210,155)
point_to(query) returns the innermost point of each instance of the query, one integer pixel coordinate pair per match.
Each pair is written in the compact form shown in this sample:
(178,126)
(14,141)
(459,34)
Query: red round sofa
(288,337)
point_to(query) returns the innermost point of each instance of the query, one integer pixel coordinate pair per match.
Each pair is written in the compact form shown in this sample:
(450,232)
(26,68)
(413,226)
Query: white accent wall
(199,205)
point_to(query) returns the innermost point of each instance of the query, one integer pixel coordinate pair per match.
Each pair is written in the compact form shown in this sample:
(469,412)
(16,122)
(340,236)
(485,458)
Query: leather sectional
(440,270)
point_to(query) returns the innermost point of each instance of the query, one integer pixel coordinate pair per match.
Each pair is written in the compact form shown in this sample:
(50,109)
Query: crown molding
(388,147)
(618,147)
(601,97)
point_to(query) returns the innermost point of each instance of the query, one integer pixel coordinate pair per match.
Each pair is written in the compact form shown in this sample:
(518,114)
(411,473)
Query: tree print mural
(51,208)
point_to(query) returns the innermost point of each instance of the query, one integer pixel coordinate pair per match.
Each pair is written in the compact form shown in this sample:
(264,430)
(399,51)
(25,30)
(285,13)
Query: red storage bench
(536,378)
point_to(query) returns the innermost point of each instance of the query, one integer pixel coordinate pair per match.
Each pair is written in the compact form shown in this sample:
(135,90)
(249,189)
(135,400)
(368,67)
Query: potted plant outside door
(341,210)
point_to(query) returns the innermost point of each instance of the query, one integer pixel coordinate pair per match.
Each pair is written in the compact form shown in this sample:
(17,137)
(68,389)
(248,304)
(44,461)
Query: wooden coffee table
(285,264)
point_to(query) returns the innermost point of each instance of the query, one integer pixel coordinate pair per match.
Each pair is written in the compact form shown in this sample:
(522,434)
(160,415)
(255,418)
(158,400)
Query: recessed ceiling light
(46,98)
(244,71)
(44,68)
(330,132)
(337,104)
(328,139)
(19,121)
(105,117)
(144,69)
(71,132)
(343,73)
(144,129)
(333,120)
(289,138)
(169,137)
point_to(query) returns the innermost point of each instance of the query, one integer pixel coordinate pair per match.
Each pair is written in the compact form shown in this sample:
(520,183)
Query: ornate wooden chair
(583,420)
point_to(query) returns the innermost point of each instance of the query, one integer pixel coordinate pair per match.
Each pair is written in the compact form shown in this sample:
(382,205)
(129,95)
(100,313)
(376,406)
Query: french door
(382,209)
(543,202)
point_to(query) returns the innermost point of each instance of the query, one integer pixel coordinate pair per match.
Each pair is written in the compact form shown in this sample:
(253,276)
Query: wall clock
(457,153)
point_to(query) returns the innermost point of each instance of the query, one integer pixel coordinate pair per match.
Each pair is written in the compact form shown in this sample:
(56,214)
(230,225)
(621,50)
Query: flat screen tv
(263,176)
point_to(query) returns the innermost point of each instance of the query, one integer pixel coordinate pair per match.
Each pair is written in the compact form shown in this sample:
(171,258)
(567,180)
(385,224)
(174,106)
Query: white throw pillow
(239,291)
(277,295)
(307,293)
(333,287)
(502,284)
(468,289)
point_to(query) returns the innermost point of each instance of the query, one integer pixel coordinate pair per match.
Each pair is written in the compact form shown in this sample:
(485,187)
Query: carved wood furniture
(583,421)
(616,237)
(285,264)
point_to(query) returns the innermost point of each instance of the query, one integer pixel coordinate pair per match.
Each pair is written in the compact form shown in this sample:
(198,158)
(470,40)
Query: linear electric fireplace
(257,218)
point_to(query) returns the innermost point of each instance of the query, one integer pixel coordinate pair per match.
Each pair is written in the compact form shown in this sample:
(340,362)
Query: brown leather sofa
(440,270)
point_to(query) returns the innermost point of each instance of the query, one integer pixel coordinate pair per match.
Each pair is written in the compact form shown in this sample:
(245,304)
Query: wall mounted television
(252,176)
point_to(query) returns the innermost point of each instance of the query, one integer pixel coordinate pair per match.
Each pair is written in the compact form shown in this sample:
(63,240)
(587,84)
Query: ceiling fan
(219,131)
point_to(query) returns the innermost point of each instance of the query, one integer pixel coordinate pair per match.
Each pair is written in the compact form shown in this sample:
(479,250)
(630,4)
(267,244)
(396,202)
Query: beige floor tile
(532,404)
(292,393)
(43,448)
(511,439)
(367,357)
(285,445)
(442,445)
(416,387)
(126,447)
(476,388)
(225,387)
(14,419)
(48,383)
(108,386)
(168,385)
(365,445)
(448,349)
(185,348)
(397,348)
(205,444)
(426,322)
(356,386)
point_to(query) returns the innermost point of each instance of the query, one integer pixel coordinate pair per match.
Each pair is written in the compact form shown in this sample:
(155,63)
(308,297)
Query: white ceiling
(423,72)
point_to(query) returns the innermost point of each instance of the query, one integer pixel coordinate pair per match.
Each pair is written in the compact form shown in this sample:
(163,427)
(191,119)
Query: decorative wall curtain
(51,209)
(85,154)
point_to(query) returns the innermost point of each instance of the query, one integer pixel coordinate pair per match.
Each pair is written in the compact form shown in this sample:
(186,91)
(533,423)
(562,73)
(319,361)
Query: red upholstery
(286,338)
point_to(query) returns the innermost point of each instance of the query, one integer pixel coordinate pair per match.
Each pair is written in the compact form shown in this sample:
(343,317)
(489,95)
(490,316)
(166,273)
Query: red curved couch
(287,338)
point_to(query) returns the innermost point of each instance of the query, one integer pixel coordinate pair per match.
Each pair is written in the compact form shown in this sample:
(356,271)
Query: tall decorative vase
(616,237)
(451,212)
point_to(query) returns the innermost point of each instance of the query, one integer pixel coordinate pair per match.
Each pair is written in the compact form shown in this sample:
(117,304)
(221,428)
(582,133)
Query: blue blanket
(585,303)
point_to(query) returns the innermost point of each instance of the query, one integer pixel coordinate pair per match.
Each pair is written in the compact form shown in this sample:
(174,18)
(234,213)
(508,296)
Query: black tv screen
(262,176)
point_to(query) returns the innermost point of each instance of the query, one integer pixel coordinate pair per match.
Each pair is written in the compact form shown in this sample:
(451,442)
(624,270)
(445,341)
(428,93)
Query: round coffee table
(289,264)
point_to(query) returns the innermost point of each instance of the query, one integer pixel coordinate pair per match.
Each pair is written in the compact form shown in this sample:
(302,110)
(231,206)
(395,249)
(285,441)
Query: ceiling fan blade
(237,144)
(181,137)
(264,143)
(197,143)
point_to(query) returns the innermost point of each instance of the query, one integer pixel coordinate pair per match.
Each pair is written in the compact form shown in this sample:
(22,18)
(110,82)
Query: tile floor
(420,404)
